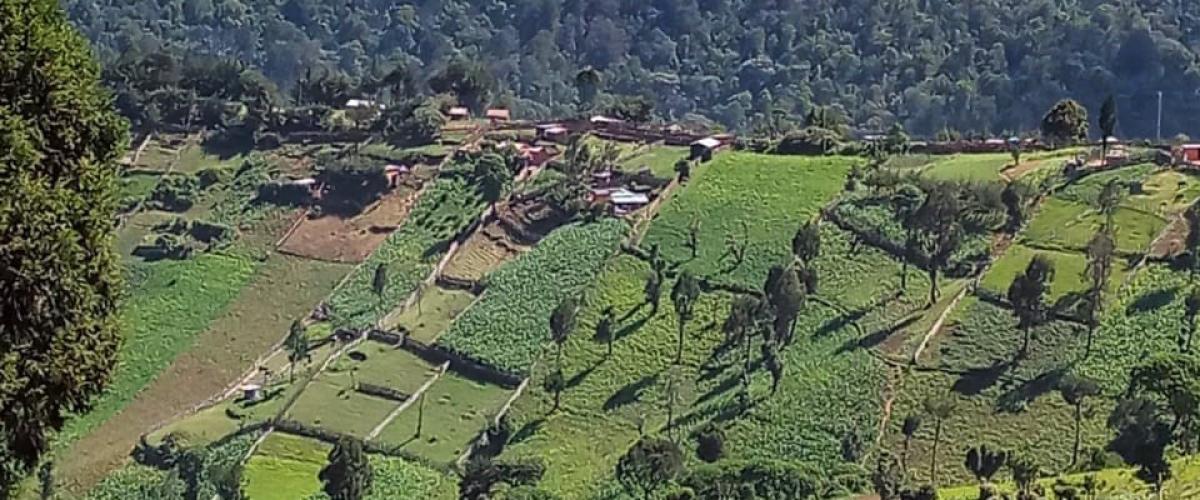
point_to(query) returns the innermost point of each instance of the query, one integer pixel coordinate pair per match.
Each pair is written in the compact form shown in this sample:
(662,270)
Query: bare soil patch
(336,239)
(1170,242)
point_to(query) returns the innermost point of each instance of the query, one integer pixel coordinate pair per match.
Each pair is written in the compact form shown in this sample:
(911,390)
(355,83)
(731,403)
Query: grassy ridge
(169,303)
(507,327)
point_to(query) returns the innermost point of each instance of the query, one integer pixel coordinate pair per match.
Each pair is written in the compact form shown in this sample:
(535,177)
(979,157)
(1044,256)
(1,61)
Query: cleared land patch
(337,239)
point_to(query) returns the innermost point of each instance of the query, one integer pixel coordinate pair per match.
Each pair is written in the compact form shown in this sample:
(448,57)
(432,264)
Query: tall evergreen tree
(1108,123)
(348,474)
(59,278)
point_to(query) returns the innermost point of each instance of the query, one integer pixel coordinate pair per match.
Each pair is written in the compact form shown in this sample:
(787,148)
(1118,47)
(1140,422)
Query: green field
(456,409)
(168,303)
(659,159)
(829,361)
(1068,271)
(968,167)
(385,366)
(432,314)
(1067,225)
(330,403)
(509,324)
(284,467)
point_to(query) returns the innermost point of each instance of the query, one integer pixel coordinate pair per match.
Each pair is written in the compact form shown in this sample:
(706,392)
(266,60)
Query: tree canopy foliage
(994,65)
(59,282)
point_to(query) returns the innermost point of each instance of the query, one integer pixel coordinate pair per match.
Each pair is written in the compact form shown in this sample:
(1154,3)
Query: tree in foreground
(296,345)
(562,321)
(908,200)
(649,465)
(1108,124)
(684,296)
(1026,295)
(937,220)
(59,141)
(912,424)
(940,408)
(555,383)
(1075,390)
(1100,251)
(604,330)
(1065,123)
(1143,436)
(1025,473)
(984,463)
(1108,202)
(348,474)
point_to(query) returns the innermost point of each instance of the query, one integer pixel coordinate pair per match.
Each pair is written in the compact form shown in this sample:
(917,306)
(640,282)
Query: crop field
(480,255)
(169,302)
(408,255)
(771,195)
(1113,483)
(456,409)
(141,481)
(137,184)
(508,325)
(330,403)
(975,362)
(828,362)
(1068,271)
(195,158)
(396,478)
(432,314)
(284,467)
(660,159)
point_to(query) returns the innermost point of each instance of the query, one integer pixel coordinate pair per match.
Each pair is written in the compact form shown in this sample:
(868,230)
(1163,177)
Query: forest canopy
(989,66)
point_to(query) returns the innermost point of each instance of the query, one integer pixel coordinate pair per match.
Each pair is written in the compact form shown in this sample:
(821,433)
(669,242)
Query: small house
(497,115)
(1188,154)
(603,122)
(534,155)
(602,178)
(703,149)
(553,132)
(364,104)
(459,113)
(252,392)
(625,201)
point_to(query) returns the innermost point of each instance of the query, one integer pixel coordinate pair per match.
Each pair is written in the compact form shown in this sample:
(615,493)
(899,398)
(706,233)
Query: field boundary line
(191,140)
(408,402)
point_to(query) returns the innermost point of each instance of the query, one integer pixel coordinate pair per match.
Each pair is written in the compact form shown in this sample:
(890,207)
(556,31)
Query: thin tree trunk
(903,275)
(937,437)
(904,455)
(1075,447)
(1025,342)
(610,342)
(679,349)
(933,287)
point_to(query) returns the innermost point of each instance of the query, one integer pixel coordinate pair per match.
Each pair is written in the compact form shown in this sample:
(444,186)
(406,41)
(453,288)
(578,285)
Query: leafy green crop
(508,325)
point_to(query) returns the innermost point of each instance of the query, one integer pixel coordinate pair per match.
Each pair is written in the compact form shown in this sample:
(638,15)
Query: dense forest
(982,66)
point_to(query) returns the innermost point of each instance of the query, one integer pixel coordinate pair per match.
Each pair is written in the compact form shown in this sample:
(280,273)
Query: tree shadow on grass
(841,321)
(631,393)
(1151,301)
(976,380)
(629,314)
(1015,400)
(578,378)
(629,329)
(874,339)
(527,431)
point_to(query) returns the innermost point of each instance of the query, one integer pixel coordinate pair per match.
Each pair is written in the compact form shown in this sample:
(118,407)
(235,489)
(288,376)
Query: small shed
(602,178)
(628,199)
(602,122)
(552,132)
(363,104)
(458,113)
(497,114)
(252,392)
(704,148)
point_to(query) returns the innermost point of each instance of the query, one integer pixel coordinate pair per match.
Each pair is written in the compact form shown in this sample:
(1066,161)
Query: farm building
(553,132)
(625,201)
(497,114)
(601,122)
(534,155)
(1187,154)
(363,104)
(704,148)
(394,174)
(459,113)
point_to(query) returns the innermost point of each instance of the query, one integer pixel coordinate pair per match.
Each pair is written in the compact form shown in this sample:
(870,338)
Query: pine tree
(59,141)
(348,475)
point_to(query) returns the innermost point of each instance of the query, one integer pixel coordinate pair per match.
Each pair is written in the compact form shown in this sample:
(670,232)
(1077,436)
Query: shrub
(212,176)
(710,443)
(175,193)
(808,141)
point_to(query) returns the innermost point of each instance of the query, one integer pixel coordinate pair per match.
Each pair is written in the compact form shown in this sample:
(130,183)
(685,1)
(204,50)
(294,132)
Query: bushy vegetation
(507,327)
(215,475)
(676,51)
(446,207)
